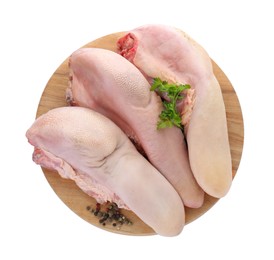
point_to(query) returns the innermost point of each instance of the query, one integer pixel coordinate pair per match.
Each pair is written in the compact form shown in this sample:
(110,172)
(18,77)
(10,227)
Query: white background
(36,36)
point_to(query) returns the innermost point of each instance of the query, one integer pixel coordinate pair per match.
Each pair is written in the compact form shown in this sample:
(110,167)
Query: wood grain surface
(54,96)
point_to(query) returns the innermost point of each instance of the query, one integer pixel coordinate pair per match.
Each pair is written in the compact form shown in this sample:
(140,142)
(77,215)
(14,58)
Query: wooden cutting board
(54,96)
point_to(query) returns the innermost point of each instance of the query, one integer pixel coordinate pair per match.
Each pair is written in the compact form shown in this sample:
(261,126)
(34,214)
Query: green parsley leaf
(169,116)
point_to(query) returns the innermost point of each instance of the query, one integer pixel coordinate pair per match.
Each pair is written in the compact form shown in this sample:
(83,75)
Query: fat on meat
(166,52)
(109,84)
(88,148)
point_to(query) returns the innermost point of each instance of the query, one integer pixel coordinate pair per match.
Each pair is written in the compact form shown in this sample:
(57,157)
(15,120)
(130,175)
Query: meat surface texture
(165,52)
(88,148)
(108,83)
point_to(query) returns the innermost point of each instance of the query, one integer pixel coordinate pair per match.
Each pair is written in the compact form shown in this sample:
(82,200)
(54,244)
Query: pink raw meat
(108,83)
(88,148)
(165,52)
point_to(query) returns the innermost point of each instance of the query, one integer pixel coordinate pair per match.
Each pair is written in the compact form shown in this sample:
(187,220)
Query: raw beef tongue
(106,82)
(167,53)
(88,148)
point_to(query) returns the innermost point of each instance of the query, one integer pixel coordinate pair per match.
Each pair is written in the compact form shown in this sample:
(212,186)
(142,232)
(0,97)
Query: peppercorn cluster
(109,214)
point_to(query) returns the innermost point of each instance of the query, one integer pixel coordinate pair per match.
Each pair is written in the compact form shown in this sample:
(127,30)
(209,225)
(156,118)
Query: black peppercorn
(110,214)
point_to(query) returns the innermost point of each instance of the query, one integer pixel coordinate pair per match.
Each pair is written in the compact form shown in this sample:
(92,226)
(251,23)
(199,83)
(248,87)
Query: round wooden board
(54,96)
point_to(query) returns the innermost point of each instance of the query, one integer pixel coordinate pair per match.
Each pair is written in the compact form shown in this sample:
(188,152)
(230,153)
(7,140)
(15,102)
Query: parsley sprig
(169,116)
